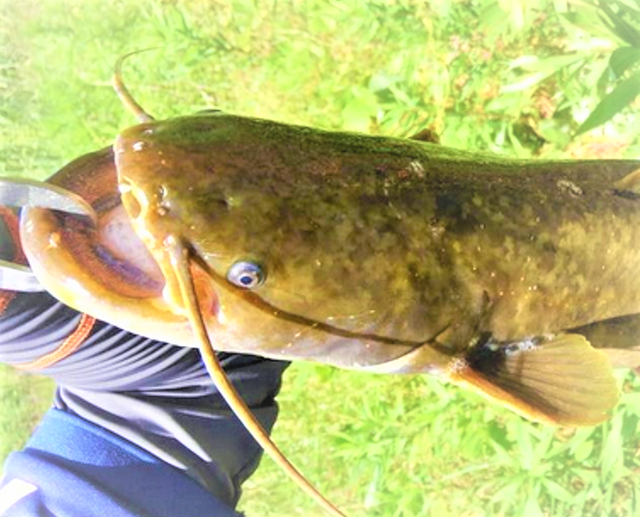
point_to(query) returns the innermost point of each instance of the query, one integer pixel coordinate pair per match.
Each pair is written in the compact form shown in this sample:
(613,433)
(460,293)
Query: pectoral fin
(559,381)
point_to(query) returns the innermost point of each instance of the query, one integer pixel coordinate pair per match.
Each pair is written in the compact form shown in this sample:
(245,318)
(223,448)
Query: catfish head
(294,238)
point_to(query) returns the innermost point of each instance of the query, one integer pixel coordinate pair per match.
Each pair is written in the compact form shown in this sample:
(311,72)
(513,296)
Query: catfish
(515,278)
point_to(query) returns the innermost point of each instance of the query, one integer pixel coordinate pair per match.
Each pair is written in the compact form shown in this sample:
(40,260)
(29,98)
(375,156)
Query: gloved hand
(154,395)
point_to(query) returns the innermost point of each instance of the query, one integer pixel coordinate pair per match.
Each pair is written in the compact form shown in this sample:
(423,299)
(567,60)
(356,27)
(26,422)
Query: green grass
(24,398)
(481,77)
(412,446)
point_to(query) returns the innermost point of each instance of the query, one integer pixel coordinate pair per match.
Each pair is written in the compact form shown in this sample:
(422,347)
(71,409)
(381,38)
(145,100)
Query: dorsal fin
(630,183)
(426,135)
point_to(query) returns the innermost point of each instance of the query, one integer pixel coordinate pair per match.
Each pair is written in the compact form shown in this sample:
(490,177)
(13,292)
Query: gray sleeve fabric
(190,426)
(155,395)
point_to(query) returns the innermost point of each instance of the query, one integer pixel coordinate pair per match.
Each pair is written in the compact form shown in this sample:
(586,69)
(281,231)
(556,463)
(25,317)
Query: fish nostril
(135,199)
(130,197)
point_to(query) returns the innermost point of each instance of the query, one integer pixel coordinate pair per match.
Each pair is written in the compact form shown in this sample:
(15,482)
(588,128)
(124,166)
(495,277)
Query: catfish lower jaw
(109,253)
(125,254)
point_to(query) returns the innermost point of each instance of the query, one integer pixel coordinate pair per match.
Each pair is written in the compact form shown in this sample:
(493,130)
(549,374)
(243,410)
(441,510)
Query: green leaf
(540,69)
(524,83)
(501,454)
(380,82)
(620,27)
(532,508)
(545,440)
(612,453)
(630,5)
(623,58)
(632,403)
(520,150)
(588,19)
(621,96)
(582,451)
(560,6)
(360,110)
(557,491)
(508,492)
(548,65)
(526,449)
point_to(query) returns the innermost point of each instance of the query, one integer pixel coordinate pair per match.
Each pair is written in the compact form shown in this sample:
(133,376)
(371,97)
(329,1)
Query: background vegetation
(529,78)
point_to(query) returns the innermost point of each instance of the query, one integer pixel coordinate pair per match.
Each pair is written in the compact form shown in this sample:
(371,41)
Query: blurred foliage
(528,78)
(24,399)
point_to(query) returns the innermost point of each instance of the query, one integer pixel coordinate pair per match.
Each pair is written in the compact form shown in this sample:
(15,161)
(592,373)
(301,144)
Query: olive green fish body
(551,247)
(376,253)
(394,237)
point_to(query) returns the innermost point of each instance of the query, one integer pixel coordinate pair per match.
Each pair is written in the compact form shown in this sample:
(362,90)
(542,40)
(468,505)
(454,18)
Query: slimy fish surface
(518,279)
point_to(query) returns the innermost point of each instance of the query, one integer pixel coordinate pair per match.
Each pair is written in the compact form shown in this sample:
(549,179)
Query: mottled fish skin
(517,279)
(405,240)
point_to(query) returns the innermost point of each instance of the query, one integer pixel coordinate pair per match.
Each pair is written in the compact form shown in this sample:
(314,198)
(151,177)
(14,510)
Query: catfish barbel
(517,278)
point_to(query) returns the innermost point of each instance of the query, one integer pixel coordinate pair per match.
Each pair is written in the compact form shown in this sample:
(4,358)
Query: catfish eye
(247,275)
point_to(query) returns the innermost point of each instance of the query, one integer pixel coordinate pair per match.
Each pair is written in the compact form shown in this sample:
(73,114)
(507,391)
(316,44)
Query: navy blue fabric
(83,470)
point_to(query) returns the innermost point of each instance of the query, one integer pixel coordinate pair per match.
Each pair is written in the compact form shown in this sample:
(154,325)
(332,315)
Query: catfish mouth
(63,245)
(114,252)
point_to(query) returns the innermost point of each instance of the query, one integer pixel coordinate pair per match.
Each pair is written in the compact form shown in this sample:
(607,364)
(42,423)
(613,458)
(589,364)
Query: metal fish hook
(25,193)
